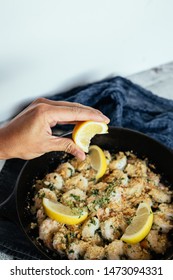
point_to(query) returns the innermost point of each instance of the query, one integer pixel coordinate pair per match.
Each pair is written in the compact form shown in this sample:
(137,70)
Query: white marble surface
(159,80)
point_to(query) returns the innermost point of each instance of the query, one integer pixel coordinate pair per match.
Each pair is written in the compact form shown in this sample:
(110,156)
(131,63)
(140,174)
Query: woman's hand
(29,134)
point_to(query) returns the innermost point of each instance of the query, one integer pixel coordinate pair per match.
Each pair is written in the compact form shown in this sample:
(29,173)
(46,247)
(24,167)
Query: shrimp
(111,204)
(44,192)
(153,178)
(161,223)
(116,199)
(82,165)
(110,195)
(46,231)
(166,210)
(76,249)
(114,250)
(161,196)
(73,196)
(55,180)
(144,197)
(137,169)
(135,187)
(136,252)
(113,227)
(94,252)
(66,170)
(96,239)
(116,195)
(77,181)
(89,228)
(41,215)
(89,174)
(59,242)
(118,177)
(101,187)
(118,163)
(156,242)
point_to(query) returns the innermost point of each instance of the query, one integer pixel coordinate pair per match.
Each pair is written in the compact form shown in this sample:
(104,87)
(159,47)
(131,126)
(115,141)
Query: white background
(50,45)
(85,265)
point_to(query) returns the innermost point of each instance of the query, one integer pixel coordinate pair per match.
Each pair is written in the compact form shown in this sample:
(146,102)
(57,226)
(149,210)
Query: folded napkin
(127,105)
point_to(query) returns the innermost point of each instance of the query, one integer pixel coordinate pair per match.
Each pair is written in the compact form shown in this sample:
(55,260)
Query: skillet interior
(118,139)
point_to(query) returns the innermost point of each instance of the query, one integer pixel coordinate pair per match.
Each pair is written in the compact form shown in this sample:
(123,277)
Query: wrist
(6,147)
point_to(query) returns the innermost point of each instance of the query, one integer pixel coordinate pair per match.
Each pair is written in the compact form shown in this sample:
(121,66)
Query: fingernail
(104,118)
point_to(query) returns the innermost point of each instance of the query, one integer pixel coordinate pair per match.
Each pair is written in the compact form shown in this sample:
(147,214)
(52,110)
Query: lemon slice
(140,225)
(98,160)
(63,214)
(84,131)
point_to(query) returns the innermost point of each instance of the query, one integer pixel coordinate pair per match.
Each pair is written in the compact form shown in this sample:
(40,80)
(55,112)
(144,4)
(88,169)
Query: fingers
(66,145)
(45,113)
(73,105)
(59,103)
(65,114)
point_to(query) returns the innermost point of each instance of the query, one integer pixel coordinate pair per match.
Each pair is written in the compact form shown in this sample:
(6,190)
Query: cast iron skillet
(118,139)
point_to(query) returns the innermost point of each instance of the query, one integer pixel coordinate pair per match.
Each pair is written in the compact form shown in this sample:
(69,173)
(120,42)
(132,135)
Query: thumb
(67,145)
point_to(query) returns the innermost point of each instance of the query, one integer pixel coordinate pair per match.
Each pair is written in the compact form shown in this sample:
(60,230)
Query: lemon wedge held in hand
(84,131)
(98,160)
(140,225)
(63,214)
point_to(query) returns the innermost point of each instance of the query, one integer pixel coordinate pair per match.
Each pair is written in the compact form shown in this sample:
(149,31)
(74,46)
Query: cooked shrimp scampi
(111,204)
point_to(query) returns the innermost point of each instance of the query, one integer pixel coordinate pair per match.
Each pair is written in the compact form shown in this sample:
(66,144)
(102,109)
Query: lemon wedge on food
(63,214)
(84,131)
(140,225)
(98,160)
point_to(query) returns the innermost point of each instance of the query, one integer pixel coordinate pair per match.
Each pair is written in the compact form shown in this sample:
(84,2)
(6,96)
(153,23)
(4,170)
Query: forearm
(12,143)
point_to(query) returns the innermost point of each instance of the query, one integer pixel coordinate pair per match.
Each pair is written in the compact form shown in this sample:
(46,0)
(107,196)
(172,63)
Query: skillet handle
(61,133)
(8,209)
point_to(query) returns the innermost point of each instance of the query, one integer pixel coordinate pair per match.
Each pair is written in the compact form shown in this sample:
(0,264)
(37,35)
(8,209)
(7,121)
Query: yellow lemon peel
(64,214)
(98,160)
(140,225)
(83,132)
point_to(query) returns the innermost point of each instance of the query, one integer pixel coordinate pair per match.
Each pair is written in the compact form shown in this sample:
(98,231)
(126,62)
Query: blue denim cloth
(127,105)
